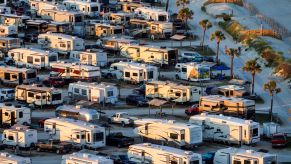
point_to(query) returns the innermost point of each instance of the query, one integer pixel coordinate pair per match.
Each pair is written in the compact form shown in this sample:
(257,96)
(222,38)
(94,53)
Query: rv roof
(134,65)
(14,69)
(64,36)
(93,85)
(82,2)
(19,128)
(33,51)
(59,23)
(150,9)
(11,157)
(107,25)
(74,66)
(168,83)
(175,125)
(219,98)
(193,64)
(69,12)
(12,107)
(78,109)
(15,16)
(120,39)
(232,87)
(121,14)
(36,88)
(86,157)
(244,152)
(7,38)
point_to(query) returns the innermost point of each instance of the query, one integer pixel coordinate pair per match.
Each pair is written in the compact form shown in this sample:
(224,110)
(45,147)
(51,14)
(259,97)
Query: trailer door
(13,118)
(1,115)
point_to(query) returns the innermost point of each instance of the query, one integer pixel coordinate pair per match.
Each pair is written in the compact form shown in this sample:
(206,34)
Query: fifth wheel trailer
(85,158)
(14,114)
(7,158)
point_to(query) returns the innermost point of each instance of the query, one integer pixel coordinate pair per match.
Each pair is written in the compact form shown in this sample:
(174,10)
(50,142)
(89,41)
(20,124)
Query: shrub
(284,70)
(203,8)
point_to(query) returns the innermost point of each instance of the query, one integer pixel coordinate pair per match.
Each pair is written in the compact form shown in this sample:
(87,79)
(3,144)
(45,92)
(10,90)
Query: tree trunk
(253,83)
(217,51)
(203,36)
(271,109)
(231,67)
(167,5)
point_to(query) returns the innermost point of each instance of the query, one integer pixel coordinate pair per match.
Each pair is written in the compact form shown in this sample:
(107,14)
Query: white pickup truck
(6,94)
(122,118)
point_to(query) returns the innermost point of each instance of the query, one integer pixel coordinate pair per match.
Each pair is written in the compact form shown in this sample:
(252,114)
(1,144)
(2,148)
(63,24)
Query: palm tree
(232,52)
(204,24)
(271,87)
(253,67)
(218,36)
(185,14)
(182,2)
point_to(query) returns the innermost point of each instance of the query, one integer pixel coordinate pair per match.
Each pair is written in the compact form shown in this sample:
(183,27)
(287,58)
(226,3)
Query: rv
(237,155)
(130,7)
(13,159)
(7,94)
(14,114)
(116,43)
(98,58)
(38,6)
(32,58)
(118,18)
(100,93)
(8,30)
(38,95)
(60,27)
(13,76)
(193,72)
(82,158)
(103,30)
(147,153)
(233,91)
(12,19)
(172,91)
(171,133)
(154,14)
(7,43)
(150,54)
(75,131)
(227,105)
(62,16)
(227,129)
(20,136)
(35,27)
(90,8)
(76,71)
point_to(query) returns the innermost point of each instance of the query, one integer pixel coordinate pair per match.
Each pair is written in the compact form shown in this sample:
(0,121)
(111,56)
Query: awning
(157,102)
(220,68)
(178,37)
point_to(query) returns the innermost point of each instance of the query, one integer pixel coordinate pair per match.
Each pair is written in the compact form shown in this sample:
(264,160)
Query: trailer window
(117,31)
(78,136)
(184,69)
(247,162)
(98,137)
(29,59)
(30,94)
(57,96)
(10,138)
(255,132)
(83,136)
(6,113)
(36,60)
(173,162)
(194,162)
(134,74)
(150,75)
(14,76)
(84,92)
(173,136)
(88,138)
(7,76)
(76,90)
(109,93)
(127,74)
(31,75)
(236,162)
(178,94)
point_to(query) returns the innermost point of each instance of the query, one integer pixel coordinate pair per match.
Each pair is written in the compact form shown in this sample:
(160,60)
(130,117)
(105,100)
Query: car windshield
(278,138)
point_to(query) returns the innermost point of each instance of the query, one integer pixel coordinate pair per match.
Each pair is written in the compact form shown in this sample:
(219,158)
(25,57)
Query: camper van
(146,153)
(32,58)
(62,16)
(153,14)
(103,30)
(8,30)
(82,158)
(99,93)
(171,133)
(118,18)
(13,76)
(13,159)
(237,155)
(239,107)
(14,114)
(7,43)
(116,43)
(38,95)
(97,58)
(75,131)
(76,71)
(193,72)
(172,91)
(227,129)
(90,8)
(134,72)
(20,136)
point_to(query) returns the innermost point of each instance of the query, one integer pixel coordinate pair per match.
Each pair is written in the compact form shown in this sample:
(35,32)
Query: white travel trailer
(227,105)
(14,76)
(172,91)
(238,156)
(134,72)
(14,114)
(116,43)
(90,8)
(13,159)
(75,131)
(7,43)
(20,136)
(100,93)
(82,158)
(119,18)
(97,58)
(227,129)
(38,95)
(61,43)
(76,71)
(147,153)
(193,72)
(32,58)
(38,6)
(233,91)
(154,14)
(8,30)
(171,133)
(62,16)
(103,30)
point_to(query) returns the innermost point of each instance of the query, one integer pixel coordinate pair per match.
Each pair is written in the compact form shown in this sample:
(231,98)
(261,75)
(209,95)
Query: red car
(54,82)
(279,140)
(194,109)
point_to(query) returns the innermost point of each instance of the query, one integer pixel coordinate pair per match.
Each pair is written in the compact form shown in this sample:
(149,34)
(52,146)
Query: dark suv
(136,100)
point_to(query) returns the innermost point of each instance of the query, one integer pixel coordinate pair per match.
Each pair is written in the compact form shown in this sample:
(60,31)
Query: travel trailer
(20,136)
(171,133)
(97,58)
(193,72)
(154,14)
(35,27)
(233,91)
(227,129)
(116,43)
(38,6)
(237,155)
(76,71)
(134,72)
(13,159)
(81,158)
(14,114)
(99,93)
(72,17)
(38,95)
(12,19)
(8,30)
(7,43)
(13,76)
(172,91)
(227,105)
(149,54)
(90,8)
(32,58)
(147,153)
(130,7)
(118,18)
(103,30)
(75,131)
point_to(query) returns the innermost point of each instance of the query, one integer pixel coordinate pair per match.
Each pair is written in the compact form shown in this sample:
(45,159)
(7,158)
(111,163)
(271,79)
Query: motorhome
(171,133)
(81,158)
(20,136)
(233,155)
(116,43)
(134,72)
(103,30)
(172,91)
(150,54)
(99,93)
(75,131)
(13,76)
(12,19)
(38,95)
(32,58)
(193,72)
(7,43)
(14,114)
(72,17)
(147,153)
(154,14)
(230,130)
(239,107)
(97,58)
(233,91)
(13,159)
(8,30)
(76,71)
(90,8)
(118,18)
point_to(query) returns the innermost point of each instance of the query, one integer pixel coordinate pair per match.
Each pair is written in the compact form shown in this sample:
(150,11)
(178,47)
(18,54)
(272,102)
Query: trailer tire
(38,149)
(58,151)
(177,77)
(32,145)
(122,124)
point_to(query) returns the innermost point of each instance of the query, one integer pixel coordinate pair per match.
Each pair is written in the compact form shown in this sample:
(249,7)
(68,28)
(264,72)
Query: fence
(262,32)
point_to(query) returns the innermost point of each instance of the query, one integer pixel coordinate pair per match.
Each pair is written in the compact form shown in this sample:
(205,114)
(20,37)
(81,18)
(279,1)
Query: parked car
(122,118)
(54,146)
(54,82)
(194,109)
(140,90)
(119,140)
(279,140)
(136,100)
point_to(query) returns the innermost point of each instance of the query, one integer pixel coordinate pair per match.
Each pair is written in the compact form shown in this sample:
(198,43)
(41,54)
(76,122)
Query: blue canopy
(220,67)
